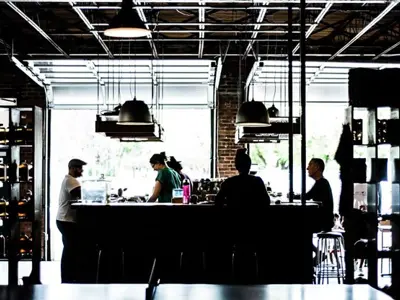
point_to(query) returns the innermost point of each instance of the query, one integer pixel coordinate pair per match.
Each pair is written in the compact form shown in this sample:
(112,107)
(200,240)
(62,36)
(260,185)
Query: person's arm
(156,192)
(311,193)
(74,188)
(220,197)
(264,194)
(76,193)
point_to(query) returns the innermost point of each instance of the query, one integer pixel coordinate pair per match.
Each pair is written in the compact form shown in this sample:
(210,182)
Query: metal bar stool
(100,253)
(246,253)
(330,244)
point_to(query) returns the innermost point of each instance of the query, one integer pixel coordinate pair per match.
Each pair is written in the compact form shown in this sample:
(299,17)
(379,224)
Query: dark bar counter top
(282,235)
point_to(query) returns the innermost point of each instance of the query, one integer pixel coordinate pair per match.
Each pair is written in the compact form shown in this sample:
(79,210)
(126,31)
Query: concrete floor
(50,271)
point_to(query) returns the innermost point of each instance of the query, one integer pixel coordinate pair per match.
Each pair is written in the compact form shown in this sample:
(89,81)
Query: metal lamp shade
(273,112)
(126,24)
(134,112)
(252,114)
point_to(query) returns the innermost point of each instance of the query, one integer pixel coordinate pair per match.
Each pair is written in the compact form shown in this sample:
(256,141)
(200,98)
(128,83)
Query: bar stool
(3,238)
(200,253)
(100,252)
(245,252)
(330,243)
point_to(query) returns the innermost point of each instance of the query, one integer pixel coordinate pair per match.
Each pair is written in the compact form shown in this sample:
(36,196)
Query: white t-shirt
(65,212)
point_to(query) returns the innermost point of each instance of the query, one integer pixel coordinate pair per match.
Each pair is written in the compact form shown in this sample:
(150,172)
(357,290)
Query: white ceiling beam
(28,72)
(91,28)
(202,19)
(260,19)
(365,29)
(36,27)
(386,51)
(319,18)
(142,17)
(250,2)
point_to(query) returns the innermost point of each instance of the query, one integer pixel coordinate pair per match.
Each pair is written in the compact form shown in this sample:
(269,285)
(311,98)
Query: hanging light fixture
(252,114)
(273,112)
(134,112)
(126,24)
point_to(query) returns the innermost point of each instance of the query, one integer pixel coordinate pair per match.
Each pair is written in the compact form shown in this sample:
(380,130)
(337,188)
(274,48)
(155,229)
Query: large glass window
(324,127)
(187,137)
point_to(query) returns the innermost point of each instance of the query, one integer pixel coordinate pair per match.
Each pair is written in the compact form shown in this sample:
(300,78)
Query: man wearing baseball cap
(66,221)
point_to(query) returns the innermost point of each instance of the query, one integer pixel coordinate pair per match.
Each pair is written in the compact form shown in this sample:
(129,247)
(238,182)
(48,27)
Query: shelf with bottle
(16,135)
(21,209)
(14,173)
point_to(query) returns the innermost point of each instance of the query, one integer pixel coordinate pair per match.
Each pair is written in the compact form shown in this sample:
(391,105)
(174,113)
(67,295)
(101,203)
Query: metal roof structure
(317,72)
(124,71)
(336,30)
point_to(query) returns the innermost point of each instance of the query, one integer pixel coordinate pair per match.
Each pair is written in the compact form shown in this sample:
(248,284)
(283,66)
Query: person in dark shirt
(243,190)
(321,192)
(177,166)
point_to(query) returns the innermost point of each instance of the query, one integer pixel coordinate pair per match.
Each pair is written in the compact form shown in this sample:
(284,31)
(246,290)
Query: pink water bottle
(186,191)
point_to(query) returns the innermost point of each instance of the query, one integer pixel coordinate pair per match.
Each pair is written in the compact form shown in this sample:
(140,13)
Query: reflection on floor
(50,271)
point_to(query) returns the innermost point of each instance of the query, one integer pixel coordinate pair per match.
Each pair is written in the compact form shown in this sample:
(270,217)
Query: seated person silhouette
(243,190)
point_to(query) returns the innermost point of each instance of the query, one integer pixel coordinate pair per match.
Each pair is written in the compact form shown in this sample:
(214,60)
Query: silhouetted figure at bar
(243,190)
(321,192)
(66,222)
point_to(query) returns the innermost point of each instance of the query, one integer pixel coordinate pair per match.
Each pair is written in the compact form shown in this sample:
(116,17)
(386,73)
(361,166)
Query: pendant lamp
(134,112)
(126,24)
(273,112)
(252,114)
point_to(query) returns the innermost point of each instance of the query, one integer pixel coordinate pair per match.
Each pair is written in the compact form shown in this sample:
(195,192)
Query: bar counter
(281,235)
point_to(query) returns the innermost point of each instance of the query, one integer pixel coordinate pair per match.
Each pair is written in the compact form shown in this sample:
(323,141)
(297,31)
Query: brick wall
(228,99)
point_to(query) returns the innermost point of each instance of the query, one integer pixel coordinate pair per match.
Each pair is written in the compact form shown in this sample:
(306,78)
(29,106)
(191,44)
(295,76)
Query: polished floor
(50,271)
(193,292)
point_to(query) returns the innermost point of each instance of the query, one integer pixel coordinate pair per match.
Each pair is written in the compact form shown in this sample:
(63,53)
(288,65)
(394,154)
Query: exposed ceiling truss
(105,72)
(337,30)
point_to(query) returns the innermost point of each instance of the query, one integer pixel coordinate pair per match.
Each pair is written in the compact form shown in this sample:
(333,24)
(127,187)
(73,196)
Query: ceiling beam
(386,51)
(319,18)
(202,19)
(225,24)
(354,39)
(260,19)
(249,2)
(142,17)
(92,29)
(193,7)
(36,27)
(365,29)
(28,72)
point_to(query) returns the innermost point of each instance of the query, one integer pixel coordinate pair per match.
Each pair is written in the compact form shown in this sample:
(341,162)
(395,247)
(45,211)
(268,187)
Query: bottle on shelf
(3,172)
(382,132)
(23,208)
(24,171)
(3,135)
(25,245)
(269,189)
(3,208)
(12,176)
(357,131)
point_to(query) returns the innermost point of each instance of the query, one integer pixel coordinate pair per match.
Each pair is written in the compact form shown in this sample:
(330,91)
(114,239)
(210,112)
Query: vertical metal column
(290,93)
(303,97)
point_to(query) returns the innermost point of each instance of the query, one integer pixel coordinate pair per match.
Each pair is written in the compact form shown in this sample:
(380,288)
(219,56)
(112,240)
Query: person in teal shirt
(166,181)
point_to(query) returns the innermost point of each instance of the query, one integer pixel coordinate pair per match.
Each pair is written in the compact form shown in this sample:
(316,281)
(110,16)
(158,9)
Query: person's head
(242,161)
(316,168)
(75,167)
(158,161)
(174,164)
